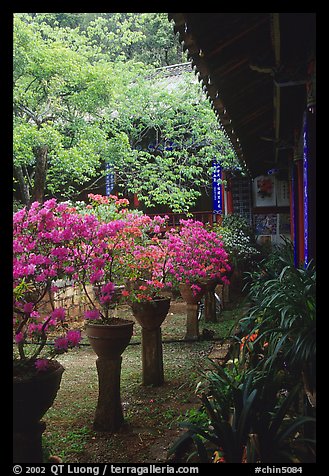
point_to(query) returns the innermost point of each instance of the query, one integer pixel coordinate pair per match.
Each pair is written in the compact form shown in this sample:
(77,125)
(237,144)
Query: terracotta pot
(189,296)
(151,314)
(110,340)
(32,397)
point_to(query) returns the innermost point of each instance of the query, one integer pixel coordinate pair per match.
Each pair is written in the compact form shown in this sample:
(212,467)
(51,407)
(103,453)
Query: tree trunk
(24,187)
(40,174)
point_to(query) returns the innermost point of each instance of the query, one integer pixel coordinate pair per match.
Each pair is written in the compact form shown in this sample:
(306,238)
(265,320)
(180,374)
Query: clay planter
(32,397)
(192,299)
(189,296)
(150,315)
(108,342)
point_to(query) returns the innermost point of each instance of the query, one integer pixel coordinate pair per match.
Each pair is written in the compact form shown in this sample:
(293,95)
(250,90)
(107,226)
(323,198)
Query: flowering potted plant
(40,247)
(145,262)
(197,258)
(197,262)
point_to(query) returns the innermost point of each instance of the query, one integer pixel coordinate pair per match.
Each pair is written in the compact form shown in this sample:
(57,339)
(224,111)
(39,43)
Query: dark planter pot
(110,340)
(32,397)
(150,315)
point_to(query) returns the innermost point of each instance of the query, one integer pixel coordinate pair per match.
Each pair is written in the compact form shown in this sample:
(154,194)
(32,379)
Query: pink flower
(74,338)
(59,314)
(92,314)
(19,337)
(97,276)
(28,307)
(41,364)
(107,292)
(61,344)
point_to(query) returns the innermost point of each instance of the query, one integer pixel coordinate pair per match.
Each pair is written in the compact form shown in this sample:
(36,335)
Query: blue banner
(217,188)
(109,180)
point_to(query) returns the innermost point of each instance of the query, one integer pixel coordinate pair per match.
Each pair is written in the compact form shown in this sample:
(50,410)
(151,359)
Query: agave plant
(285,317)
(249,421)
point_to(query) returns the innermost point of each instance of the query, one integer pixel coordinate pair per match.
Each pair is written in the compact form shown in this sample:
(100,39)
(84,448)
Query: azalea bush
(148,265)
(42,245)
(122,259)
(196,254)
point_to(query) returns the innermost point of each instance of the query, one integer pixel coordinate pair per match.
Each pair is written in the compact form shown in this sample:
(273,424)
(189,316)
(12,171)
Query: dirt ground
(153,415)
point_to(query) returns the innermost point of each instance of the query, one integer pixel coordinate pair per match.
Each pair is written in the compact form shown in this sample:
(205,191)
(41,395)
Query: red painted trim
(230,208)
(300,212)
(136,201)
(291,211)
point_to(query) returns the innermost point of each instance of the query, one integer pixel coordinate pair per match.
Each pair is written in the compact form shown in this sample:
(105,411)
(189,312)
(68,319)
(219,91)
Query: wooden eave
(252,67)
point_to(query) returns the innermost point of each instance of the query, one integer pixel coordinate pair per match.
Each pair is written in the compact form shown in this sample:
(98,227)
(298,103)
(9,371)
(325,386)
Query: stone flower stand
(150,315)
(108,342)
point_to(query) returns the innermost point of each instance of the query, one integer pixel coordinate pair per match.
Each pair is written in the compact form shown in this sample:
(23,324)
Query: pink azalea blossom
(74,338)
(19,337)
(61,344)
(92,314)
(28,307)
(41,364)
(58,313)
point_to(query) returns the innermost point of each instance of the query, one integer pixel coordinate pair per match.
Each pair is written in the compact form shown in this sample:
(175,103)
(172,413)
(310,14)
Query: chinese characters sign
(217,187)
(109,180)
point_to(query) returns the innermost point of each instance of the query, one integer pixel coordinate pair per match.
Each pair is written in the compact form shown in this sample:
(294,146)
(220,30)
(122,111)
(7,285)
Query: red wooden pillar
(230,208)
(291,203)
(136,201)
(227,195)
(300,211)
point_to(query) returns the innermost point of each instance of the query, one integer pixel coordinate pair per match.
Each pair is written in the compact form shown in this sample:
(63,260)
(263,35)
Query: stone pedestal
(210,307)
(27,444)
(152,357)
(192,323)
(109,413)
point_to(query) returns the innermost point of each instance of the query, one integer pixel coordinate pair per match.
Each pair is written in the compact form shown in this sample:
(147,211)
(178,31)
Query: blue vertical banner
(109,179)
(305,185)
(217,187)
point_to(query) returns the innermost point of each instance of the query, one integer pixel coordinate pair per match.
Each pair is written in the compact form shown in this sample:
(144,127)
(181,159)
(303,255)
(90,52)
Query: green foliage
(239,241)
(284,310)
(145,37)
(83,95)
(249,420)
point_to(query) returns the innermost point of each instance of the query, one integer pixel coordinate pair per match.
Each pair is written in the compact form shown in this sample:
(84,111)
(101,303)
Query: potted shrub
(239,242)
(197,262)
(144,292)
(97,269)
(40,258)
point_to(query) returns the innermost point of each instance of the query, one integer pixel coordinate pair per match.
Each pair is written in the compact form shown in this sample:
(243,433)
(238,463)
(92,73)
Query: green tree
(82,100)
(60,100)
(142,37)
(169,139)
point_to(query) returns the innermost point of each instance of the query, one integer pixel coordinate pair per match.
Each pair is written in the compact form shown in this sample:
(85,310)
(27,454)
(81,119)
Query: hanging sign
(217,188)
(109,180)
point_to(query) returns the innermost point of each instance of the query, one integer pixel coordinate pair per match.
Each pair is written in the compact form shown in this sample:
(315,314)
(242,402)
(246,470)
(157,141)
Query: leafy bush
(250,421)
(238,239)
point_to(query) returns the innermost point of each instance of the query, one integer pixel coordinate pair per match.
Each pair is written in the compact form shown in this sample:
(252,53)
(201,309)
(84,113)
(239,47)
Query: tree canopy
(86,94)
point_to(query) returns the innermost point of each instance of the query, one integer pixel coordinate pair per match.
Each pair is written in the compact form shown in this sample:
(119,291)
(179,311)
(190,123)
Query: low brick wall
(73,299)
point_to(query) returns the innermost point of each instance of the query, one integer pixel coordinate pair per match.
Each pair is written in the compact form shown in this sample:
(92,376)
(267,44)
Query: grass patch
(152,414)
